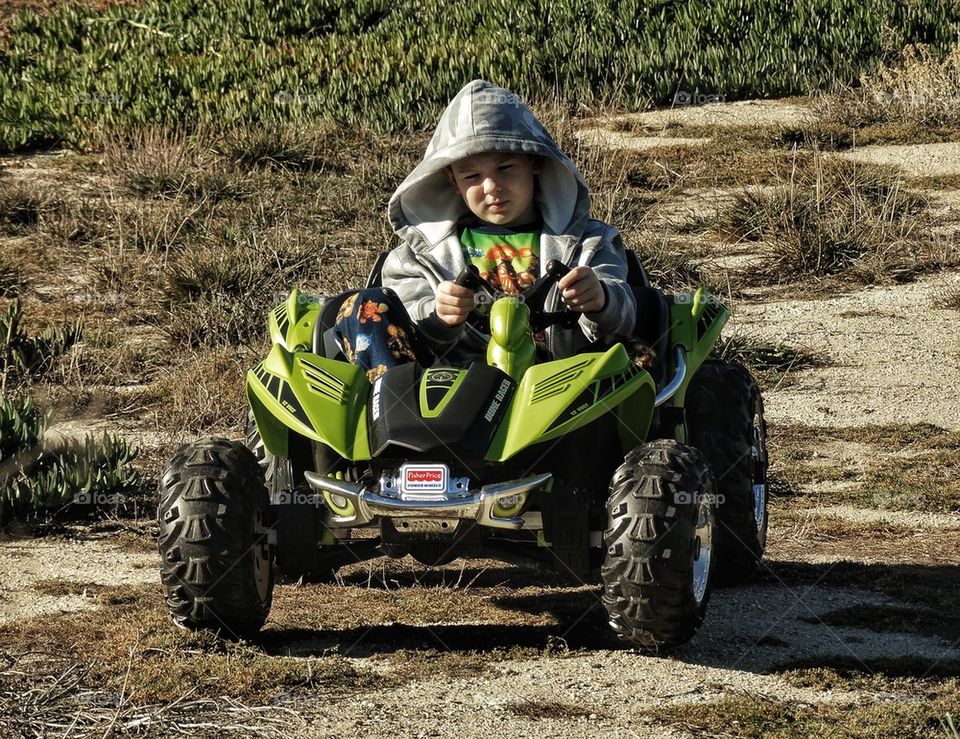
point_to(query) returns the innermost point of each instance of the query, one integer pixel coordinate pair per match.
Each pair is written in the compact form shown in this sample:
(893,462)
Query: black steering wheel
(534,296)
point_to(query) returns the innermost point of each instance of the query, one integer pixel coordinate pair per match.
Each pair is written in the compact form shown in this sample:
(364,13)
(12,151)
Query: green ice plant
(22,355)
(92,471)
(39,474)
(391,66)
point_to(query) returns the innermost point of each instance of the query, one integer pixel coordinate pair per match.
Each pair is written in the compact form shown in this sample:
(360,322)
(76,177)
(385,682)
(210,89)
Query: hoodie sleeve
(605,254)
(416,286)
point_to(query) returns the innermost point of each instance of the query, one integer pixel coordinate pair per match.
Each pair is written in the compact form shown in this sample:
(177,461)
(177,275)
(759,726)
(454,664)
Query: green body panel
(696,320)
(316,397)
(291,323)
(511,348)
(634,416)
(325,400)
(557,397)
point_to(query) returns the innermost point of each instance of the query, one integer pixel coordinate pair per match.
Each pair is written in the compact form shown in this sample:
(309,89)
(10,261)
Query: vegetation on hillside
(393,65)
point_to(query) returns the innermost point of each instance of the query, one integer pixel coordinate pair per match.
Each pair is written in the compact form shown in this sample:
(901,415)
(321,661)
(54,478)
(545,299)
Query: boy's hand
(582,291)
(454,303)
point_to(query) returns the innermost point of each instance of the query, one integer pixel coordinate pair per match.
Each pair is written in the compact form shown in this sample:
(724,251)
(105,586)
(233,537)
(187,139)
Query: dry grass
(203,392)
(752,715)
(136,646)
(669,266)
(20,205)
(415,627)
(161,163)
(952,302)
(837,218)
(771,362)
(545,709)
(59,587)
(920,89)
(10,280)
(301,148)
(914,467)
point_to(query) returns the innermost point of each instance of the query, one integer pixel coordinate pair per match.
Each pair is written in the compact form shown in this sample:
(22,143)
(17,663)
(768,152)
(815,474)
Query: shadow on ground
(888,618)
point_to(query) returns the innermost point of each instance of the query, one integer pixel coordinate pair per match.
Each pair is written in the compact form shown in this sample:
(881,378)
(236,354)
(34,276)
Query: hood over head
(486,118)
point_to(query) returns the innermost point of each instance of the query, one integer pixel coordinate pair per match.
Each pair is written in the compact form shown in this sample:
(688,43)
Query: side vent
(558,383)
(322,382)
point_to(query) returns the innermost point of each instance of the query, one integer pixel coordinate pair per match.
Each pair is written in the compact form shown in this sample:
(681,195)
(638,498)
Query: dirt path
(914,160)
(750,631)
(44,576)
(894,356)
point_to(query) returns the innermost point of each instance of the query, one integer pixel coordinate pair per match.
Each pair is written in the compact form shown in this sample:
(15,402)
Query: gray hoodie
(424,211)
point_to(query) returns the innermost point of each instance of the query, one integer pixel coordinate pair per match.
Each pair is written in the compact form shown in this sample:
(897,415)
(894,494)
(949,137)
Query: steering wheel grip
(557,269)
(469,278)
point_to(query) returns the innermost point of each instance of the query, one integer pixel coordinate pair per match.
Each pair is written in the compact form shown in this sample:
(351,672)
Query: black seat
(324,343)
(652,326)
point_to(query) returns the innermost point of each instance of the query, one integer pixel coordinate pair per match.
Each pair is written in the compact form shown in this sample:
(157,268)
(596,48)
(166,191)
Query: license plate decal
(424,478)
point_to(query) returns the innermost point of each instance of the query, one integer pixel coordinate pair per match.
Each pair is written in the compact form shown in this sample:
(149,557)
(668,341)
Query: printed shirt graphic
(508,259)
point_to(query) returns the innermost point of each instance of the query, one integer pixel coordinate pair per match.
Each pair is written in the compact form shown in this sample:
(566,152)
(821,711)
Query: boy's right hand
(454,303)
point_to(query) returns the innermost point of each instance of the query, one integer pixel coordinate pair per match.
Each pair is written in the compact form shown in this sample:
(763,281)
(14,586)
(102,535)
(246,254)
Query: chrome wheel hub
(759,453)
(703,546)
(261,556)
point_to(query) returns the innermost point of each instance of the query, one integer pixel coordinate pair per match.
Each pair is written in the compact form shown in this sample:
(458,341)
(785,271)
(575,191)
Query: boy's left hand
(582,291)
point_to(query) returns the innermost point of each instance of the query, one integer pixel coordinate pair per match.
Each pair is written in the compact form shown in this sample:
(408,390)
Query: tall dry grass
(836,217)
(921,88)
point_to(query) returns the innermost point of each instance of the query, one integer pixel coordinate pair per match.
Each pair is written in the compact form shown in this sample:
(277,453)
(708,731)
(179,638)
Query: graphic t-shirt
(509,259)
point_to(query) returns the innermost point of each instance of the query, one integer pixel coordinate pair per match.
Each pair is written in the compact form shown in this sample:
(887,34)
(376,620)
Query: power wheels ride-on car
(652,476)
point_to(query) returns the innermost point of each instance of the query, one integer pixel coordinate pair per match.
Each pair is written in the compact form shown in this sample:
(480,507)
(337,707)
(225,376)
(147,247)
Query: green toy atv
(653,477)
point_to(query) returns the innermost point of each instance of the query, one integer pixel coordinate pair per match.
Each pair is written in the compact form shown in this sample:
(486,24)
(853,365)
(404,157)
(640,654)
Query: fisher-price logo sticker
(423,478)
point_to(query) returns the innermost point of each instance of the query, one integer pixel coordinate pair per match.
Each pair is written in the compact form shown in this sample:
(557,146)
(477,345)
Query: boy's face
(497,188)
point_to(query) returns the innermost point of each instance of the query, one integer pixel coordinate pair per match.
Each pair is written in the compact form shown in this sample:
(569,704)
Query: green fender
(696,320)
(291,322)
(316,397)
(295,389)
(558,397)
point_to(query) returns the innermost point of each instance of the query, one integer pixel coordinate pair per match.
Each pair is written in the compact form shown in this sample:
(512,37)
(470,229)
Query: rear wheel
(659,545)
(214,539)
(299,514)
(725,417)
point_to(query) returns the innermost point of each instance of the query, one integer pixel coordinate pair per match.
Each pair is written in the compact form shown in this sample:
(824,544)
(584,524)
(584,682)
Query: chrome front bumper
(476,506)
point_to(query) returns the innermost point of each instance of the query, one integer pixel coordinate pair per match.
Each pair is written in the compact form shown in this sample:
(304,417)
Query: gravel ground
(894,354)
(915,160)
(750,630)
(773,113)
(80,564)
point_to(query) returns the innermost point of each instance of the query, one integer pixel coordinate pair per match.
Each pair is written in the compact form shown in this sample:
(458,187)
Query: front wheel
(659,545)
(214,539)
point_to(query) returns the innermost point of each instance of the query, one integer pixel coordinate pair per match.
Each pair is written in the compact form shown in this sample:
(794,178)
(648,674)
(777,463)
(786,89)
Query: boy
(493,189)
